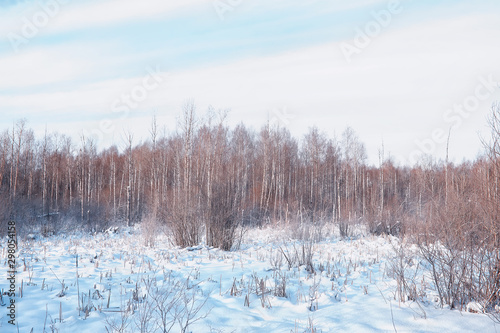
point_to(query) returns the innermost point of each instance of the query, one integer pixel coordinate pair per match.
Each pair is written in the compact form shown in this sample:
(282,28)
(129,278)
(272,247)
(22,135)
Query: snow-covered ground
(265,286)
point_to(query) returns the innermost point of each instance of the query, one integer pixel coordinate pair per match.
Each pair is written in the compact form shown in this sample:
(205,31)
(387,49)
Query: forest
(206,179)
(207,182)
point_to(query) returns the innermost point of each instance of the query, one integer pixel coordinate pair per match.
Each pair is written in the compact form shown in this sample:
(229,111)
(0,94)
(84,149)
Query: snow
(351,289)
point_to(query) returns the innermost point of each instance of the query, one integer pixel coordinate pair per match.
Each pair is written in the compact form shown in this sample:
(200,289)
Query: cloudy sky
(401,73)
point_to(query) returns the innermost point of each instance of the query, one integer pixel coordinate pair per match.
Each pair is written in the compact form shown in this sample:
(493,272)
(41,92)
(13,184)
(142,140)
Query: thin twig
(392,318)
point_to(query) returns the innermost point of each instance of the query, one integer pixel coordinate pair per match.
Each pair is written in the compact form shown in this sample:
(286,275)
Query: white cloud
(43,66)
(99,13)
(86,14)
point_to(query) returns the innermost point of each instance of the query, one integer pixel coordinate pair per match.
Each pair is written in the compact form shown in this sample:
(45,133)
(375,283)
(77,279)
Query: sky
(404,75)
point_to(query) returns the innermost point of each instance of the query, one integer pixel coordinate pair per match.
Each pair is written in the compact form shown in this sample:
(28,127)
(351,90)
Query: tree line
(205,179)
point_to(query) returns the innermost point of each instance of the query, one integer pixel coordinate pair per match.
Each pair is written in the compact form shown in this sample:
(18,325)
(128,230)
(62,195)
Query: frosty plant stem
(62,293)
(78,286)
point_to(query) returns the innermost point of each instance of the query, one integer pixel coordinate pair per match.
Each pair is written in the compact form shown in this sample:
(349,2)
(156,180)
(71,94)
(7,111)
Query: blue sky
(283,61)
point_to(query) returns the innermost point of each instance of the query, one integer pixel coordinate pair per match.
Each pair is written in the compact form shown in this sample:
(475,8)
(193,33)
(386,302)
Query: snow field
(273,283)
